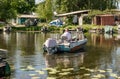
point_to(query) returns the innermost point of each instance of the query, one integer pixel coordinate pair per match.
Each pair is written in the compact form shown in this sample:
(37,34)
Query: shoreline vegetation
(86,28)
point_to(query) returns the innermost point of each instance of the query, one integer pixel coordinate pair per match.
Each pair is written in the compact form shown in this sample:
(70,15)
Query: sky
(38,1)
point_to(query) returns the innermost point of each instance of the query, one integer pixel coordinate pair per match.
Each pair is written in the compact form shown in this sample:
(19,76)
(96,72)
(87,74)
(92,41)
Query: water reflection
(101,40)
(64,60)
(27,60)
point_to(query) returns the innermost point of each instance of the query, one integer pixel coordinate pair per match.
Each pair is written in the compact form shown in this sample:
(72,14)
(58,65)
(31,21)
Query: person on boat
(66,35)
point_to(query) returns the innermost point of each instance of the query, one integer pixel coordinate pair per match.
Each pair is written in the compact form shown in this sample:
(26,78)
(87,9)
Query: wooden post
(80,20)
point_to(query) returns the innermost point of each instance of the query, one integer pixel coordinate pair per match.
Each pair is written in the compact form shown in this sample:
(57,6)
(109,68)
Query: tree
(48,10)
(63,6)
(44,10)
(10,8)
(25,6)
(41,10)
(7,10)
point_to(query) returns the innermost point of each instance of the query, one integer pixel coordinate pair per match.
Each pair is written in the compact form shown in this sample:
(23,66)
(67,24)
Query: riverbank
(85,27)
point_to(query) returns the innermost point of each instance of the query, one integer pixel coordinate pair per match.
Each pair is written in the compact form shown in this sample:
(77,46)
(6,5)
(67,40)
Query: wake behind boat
(52,45)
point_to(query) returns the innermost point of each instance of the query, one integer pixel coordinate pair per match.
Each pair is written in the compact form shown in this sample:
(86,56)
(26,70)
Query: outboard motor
(50,46)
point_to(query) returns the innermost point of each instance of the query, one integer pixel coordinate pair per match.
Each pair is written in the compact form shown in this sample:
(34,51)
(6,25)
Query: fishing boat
(52,45)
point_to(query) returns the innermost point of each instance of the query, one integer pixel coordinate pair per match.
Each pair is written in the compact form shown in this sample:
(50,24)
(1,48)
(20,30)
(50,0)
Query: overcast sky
(38,1)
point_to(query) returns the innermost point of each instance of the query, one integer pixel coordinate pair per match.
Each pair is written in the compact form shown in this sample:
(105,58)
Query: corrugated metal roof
(106,15)
(72,13)
(28,16)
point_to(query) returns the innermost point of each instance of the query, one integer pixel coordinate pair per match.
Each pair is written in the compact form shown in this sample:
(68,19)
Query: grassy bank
(86,27)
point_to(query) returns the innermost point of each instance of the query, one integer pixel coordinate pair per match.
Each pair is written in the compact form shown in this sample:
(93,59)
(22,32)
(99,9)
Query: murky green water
(100,60)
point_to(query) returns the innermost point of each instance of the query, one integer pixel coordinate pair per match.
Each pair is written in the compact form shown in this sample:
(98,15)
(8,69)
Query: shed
(80,15)
(22,18)
(107,19)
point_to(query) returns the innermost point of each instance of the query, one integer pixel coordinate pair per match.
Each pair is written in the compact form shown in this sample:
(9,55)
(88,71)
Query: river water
(99,60)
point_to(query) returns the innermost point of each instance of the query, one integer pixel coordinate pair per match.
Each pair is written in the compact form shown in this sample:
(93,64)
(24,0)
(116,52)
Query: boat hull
(72,47)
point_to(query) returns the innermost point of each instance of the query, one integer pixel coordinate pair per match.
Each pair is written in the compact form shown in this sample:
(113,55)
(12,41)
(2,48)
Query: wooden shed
(107,19)
(80,15)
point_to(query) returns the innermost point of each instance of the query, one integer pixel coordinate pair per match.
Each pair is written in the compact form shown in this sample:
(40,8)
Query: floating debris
(35,78)
(40,72)
(65,70)
(23,69)
(30,67)
(94,78)
(52,73)
(82,68)
(109,70)
(91,70)
(86,74)
(87,69)
(32,75)
(69,69)
(64,73)
(48,69)
(51,77)
(113,75)
(118,77)
(102,71)
(99,76)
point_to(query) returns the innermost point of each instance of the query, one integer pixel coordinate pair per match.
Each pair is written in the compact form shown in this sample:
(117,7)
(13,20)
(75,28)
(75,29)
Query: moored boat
(108,29)
(5,70)
(7,29)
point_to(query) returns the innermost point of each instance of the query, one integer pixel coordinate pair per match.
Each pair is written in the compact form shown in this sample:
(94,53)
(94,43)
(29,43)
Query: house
(20,20)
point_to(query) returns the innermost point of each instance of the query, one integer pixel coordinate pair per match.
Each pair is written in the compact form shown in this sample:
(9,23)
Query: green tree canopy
(25,6)
(10,8)
(7,10)
(63,6)
(44,10)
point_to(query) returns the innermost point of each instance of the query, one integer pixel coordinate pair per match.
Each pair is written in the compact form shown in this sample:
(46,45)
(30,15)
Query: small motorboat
(52,45)
(7,29)
(5,70)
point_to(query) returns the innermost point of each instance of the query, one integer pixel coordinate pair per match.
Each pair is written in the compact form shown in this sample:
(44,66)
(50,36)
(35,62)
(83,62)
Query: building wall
(104,20)
(107,20)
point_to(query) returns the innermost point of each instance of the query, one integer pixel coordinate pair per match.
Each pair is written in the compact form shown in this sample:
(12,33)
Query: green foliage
(63,6)
(40,10)
(48,10)
(53,28)
(98,12)
(32,28)
(10,8)
(7,10)
(24,6)
(44,10)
